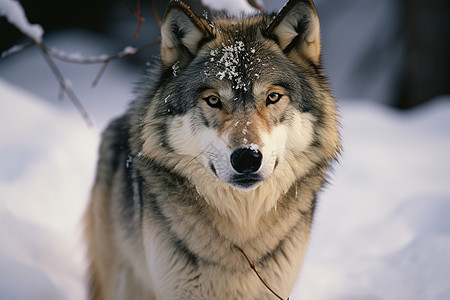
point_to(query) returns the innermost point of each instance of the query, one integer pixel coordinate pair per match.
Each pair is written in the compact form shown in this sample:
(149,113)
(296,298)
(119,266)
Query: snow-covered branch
(14,13)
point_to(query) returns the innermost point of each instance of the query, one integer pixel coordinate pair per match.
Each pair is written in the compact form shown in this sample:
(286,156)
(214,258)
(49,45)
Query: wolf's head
(241,103)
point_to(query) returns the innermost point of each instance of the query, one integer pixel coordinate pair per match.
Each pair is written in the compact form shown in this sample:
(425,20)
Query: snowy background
(382,229)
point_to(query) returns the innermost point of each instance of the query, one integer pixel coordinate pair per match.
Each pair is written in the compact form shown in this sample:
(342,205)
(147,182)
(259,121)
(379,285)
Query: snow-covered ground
(382,229)
(47,162)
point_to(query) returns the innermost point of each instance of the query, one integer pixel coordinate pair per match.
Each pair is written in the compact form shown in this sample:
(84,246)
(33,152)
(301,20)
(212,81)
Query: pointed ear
(181,33)
(297,31)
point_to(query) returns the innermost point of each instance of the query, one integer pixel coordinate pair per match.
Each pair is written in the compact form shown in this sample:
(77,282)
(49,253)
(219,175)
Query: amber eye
(213,101)
(273,98)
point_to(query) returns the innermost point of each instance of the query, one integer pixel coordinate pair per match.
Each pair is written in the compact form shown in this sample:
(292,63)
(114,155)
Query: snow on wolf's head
(242,105)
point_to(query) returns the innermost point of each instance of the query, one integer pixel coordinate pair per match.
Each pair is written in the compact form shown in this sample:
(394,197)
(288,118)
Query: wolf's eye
(213,101)
(273,98)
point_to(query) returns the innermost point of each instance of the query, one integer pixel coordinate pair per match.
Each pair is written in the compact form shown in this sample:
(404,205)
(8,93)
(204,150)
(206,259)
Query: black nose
(246,160)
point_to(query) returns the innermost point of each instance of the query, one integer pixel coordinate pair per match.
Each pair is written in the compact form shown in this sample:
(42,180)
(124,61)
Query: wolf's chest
(179,274)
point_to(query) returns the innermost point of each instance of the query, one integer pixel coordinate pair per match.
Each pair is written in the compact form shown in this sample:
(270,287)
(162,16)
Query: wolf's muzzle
(246,160)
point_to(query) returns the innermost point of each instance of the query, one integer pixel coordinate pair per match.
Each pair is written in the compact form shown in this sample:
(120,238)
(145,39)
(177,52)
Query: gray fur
(163,223)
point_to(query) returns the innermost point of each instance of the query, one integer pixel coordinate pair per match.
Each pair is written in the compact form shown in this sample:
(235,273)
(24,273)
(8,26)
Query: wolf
(218,159)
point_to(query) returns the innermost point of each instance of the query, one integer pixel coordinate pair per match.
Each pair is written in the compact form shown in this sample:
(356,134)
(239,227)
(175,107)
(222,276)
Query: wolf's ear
(296,29)
(181,33)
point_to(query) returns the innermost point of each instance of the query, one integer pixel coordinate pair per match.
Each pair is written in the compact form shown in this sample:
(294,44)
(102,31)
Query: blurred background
(390,51)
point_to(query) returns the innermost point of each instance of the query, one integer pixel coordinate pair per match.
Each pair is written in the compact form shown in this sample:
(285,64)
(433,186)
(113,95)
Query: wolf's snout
(246,160)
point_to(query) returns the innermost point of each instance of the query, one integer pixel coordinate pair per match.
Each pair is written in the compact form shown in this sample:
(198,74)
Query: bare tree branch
(16,49)
(65,85)
(155,13)
(15,15)
(99,74)
(101,59)
(136,14)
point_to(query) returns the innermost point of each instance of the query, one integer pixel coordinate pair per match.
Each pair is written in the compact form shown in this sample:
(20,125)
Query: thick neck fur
(243,208)
(255,220)
(239,215)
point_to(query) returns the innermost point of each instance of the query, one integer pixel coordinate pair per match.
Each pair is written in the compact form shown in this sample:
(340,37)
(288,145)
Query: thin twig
(128,7)
(252,265)
(100,59)
(140,18)
(105,60)
(16,49)
(155,13)
(99,74)
(64,84)
(136,14)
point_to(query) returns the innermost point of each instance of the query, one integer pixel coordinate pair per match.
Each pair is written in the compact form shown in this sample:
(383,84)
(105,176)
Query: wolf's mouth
(246,181)
(241,181)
